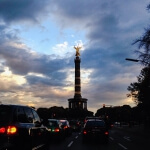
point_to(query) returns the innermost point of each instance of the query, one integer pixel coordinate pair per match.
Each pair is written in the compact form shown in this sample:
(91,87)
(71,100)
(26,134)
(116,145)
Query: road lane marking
(111,138)
(122,146)
(127,138)
(70,143)
(76,137)
(37,147)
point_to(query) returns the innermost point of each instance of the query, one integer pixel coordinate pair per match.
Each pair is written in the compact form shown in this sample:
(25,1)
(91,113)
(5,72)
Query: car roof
(16,105)
(92,117)
(63,120)
(95,120)
(52,120)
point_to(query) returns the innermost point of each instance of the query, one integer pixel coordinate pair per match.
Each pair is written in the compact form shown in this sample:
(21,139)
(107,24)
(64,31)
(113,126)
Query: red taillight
(106,133)
(11,130)
(84,132)
(56,130)
(2,130)
(65,127)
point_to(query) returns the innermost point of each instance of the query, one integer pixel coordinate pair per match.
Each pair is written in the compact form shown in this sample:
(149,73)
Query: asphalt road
(119,139)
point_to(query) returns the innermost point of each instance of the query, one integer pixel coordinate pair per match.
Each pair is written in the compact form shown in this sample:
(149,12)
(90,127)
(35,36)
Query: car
(75,125)
(66,127)
(95,130)
(21,128)
(55,128)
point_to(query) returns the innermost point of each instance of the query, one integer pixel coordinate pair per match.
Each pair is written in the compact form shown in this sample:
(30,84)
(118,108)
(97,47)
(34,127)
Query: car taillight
(55,130)
(2,130)
(112,125)
(11,130)
(106,133)
(84,132)
(65,127)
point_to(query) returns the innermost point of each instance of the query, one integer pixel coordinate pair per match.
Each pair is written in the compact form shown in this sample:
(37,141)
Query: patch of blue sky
(38,37)
(48,37)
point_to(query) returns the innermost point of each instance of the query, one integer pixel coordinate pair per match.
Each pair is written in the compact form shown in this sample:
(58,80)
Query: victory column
(77,102)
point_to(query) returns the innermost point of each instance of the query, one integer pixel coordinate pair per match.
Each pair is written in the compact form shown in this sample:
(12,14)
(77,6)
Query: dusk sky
(37,39)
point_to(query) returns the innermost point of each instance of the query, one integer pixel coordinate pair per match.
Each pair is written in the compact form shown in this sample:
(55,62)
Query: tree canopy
(140,90)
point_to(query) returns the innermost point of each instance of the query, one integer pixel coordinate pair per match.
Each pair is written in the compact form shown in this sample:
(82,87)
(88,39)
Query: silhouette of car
(75,125)
(56,131)
(21,128)
(66,127)
(95,129)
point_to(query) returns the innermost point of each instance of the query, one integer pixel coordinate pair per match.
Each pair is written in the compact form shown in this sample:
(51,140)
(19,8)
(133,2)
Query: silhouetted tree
(144,45)
(57,112)
(122,114)
(62,113)
(43,113)
(78,114)
(140,90)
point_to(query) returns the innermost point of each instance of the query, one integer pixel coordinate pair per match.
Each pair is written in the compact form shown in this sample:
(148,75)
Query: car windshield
(5,112)
(95,123)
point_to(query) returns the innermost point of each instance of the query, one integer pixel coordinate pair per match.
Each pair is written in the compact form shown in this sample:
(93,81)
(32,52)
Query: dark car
(21,128)
(55,128)
(95,129)
(75,125)
(66,127)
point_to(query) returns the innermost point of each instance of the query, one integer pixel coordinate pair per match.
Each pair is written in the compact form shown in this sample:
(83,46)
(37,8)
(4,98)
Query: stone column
(77,78)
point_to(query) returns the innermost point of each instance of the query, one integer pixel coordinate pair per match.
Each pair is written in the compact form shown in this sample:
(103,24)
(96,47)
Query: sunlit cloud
(8,76)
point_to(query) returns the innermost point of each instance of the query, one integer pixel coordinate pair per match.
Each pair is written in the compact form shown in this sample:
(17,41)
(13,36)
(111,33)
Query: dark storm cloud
(105,57)
(107,26)
(54,79)
(23,61)
(104,29)
(22,10)
(106,22)
(7,35)
(76,9)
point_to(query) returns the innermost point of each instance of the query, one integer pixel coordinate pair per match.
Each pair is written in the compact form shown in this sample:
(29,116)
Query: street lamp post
(135,60)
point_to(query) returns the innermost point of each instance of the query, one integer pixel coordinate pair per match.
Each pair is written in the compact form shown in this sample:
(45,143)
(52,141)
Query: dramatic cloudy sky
(37,55)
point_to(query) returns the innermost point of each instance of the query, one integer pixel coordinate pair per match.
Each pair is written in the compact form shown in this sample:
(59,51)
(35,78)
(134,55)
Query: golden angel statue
(77,50)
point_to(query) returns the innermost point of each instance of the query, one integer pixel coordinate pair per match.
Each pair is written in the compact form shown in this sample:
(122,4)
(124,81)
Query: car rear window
(5,114)
(73,122)
(95,123)
(53,123)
